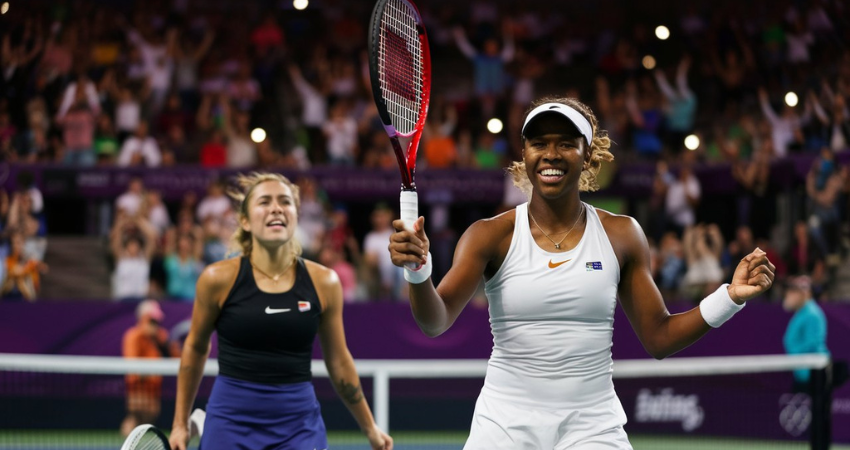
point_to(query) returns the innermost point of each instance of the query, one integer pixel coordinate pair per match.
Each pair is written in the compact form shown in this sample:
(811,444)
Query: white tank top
(552,317)
(131,277)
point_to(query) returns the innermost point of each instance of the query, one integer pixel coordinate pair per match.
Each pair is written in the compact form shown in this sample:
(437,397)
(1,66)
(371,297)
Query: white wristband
(421,274)
(718,307)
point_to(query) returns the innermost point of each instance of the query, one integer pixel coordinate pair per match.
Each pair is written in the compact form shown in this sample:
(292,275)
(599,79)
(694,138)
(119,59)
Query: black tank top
(268,338)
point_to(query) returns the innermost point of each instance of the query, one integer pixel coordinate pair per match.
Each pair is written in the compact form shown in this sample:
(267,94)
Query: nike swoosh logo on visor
(553,265)
(269,310)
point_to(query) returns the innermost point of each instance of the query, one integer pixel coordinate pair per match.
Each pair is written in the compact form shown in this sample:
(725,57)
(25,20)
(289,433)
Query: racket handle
(409,202)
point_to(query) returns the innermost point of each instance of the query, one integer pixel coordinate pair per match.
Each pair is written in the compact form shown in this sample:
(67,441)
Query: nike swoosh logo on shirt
(553,265)
(269,310)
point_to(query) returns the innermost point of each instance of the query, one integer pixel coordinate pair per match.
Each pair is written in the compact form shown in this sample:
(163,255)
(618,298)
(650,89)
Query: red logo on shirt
(303,306)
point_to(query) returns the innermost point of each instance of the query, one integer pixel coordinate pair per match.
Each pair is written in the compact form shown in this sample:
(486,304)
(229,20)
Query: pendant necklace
(557,244)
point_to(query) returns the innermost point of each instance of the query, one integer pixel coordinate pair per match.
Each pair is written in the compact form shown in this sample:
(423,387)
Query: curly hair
(242,240)
(599,149)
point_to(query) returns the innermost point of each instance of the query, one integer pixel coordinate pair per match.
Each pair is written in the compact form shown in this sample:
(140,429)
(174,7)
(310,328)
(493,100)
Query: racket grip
(409,202)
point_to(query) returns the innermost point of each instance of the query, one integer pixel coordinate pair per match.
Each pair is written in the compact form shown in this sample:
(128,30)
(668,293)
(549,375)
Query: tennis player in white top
(554,268)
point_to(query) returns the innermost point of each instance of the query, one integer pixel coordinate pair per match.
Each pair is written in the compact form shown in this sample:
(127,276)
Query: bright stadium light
(4,8)
(258,135)
(494,126)
(692,142)
(648,62)
(662,32)
(791,99)
(300,4)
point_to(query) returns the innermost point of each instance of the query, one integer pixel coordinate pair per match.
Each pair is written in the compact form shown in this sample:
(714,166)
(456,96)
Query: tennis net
(78,402)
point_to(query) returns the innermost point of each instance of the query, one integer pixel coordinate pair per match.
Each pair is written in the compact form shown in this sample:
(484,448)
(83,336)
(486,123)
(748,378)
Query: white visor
(574,116)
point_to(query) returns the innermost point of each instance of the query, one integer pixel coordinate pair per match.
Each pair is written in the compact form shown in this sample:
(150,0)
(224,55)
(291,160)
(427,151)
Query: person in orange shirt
(22,273)
(147,339)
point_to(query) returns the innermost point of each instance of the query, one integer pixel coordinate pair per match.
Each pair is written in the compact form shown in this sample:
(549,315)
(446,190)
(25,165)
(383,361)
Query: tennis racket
(146,437)
(400,71)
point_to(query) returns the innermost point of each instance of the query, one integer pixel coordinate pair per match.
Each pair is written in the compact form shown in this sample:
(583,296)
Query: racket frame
(140,431)
(406,162)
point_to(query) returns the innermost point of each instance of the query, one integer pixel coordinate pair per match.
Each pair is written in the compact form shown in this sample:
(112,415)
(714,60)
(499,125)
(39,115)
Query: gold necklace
(557,244)
(273,278)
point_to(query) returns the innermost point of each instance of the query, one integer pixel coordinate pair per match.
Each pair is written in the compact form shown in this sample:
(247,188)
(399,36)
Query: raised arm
(688,245)
(663,84)
(818,110)
(116,235)
(338,359)
(204,47)
(508,48)
(462,43)
(304,88)
(436,309)
(682,77)
(764,102)
(198,242)
(202,117)
(151,236)
(715,243)
(661,333)
(169,245)
(603,95)
(632,104)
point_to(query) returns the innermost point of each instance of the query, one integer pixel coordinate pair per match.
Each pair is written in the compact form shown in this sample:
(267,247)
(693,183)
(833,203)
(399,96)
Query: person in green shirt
(106,143)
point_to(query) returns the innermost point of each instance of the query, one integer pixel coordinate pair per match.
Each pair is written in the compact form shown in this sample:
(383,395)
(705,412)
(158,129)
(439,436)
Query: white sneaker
(196,423)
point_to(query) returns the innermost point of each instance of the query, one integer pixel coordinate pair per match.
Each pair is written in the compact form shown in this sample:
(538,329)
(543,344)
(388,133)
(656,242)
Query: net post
(381,385)
(821,390)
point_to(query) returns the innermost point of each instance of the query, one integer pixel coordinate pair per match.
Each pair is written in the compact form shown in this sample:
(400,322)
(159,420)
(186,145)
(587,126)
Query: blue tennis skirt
(253,416)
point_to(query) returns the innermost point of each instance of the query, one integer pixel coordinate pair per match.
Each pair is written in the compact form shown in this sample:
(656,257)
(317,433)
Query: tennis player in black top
(267,307)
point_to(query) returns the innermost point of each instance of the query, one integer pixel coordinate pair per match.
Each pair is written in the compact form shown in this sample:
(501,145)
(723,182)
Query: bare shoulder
(220,275)
(493,229)
(624,232)
(322,276)
(488,240)
(327,284)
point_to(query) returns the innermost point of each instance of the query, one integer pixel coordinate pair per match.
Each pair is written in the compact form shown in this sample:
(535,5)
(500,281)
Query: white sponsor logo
(669,407)
(269,310)
(841,406)
(795,413)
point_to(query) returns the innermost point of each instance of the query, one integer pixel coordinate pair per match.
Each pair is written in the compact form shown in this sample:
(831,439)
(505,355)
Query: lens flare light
(258,135)
(791,99)
(692,142)
(494,126)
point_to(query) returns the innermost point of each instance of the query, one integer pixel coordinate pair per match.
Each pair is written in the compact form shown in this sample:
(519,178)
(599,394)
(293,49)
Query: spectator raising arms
(133,242)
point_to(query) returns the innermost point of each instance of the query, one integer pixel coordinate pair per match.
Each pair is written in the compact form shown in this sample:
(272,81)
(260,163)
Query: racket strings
(400,66)
(150,441)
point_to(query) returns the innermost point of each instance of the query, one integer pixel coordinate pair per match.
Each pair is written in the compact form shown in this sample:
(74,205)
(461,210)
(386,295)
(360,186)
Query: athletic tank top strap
(268,337)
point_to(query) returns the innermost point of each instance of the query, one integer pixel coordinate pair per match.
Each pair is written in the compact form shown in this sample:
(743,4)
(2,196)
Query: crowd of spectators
(164,83)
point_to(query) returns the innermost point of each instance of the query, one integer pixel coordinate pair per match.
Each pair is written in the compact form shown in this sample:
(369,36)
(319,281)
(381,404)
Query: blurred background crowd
(268,85)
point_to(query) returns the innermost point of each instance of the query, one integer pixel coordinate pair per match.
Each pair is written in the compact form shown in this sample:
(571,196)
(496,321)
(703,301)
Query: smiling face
(555,154)
(271,214)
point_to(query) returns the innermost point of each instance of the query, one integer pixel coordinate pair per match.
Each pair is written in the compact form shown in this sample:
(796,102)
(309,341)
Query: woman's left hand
(379,440)
(753,277)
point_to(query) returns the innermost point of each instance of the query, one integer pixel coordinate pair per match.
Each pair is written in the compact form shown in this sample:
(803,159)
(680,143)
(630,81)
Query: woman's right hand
(409,246)
(179,438)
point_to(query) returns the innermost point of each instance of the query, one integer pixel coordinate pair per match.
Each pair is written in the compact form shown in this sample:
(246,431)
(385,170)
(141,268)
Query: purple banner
(344,184)
(339,184)
(758,405)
